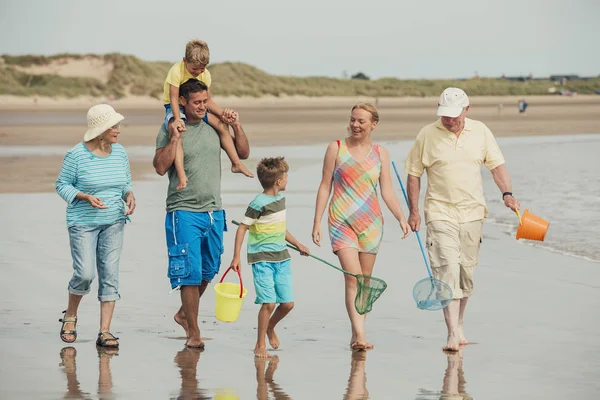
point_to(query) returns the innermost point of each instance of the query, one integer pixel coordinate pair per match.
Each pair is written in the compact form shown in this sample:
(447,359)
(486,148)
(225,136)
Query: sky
(381,38)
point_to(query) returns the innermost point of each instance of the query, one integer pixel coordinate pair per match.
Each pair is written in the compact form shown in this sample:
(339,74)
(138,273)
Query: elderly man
(451,151)
(195,220)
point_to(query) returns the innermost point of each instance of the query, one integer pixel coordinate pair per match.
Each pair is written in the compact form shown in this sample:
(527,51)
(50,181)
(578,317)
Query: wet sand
(269,121)
(532,316)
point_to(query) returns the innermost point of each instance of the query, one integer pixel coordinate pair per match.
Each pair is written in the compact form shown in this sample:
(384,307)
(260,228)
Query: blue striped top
(108,178)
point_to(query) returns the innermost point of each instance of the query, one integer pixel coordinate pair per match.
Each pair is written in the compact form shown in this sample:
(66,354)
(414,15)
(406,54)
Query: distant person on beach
(451,151)
(193,66)
(265,218)
(195,219)
(522,105)
(354,167)
(95,181)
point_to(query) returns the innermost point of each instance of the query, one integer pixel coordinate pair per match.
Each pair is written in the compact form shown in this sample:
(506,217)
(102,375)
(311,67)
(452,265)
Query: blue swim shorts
(169,115)
(195,246)
(273,282)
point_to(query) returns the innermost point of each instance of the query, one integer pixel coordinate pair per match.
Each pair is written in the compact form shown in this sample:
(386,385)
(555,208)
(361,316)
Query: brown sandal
(68,320)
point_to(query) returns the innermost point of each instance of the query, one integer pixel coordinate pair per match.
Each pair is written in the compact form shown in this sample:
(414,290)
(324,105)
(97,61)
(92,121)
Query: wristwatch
(506,194)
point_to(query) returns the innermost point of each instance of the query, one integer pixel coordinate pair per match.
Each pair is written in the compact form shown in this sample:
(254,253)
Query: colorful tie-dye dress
(355,218)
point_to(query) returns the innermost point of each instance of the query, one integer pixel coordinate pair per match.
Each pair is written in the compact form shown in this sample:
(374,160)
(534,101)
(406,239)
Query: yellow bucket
(229,299)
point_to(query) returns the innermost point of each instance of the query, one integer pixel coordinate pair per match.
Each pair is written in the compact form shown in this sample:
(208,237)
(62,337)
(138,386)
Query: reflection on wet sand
(265,379)
(187,361)
(454,384)
(105,385)
(68,362)
(357,382)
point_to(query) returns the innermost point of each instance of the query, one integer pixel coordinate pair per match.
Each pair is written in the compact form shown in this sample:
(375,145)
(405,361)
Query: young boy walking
(267,252)
(193,66)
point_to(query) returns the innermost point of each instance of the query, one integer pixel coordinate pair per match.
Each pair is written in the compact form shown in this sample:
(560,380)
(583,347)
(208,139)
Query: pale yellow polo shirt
(453,165)
(178,74)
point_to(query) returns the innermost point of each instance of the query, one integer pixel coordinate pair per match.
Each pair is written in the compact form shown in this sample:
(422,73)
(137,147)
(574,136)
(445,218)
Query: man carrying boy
(193,66)
(267,253)
(195,219)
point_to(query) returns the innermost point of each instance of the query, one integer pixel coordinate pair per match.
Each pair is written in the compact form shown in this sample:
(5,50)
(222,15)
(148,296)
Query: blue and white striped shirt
(108,178)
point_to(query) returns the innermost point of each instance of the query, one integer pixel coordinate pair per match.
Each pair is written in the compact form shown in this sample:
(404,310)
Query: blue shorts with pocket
(273,282)
(195,246)
(169,115)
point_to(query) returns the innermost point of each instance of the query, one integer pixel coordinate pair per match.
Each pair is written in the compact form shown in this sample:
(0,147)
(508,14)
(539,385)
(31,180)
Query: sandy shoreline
(267,121)
(520,352)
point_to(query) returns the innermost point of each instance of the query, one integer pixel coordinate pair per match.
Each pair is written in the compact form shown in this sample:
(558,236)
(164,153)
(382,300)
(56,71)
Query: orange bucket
(531,226)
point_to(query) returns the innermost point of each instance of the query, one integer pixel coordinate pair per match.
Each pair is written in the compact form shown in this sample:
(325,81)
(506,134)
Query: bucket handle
(518,216)
(240,276)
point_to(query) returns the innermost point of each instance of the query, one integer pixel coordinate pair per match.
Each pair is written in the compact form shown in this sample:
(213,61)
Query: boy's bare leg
(264,315)
(282,310)
(228,145)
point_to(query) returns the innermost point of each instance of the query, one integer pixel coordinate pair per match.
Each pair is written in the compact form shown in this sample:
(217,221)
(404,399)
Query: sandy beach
(531,319)
(267,121)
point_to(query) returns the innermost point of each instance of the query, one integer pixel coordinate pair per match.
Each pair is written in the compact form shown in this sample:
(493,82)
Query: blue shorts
(195,246)
(169,115)
(273,282)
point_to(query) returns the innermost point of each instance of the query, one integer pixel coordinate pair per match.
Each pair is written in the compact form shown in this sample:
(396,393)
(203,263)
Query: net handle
(416,232)
(310,255)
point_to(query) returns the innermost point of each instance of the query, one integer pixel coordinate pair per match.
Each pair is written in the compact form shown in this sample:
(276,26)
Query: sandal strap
(112,337)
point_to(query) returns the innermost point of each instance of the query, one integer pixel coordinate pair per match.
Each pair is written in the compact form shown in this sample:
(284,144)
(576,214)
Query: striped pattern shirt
(265,217)
(108,178)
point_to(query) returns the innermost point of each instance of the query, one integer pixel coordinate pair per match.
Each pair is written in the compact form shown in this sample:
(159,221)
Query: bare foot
(453,344)
(182,183)
(241,169)
(273,339)
(261,352)
(195,343)
(461,337)
(180,320)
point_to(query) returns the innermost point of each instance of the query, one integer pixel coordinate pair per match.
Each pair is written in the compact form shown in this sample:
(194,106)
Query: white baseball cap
(451,103)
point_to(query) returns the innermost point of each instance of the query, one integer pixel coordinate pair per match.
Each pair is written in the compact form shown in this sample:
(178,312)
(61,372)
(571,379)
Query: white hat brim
(97,131)
(451,112)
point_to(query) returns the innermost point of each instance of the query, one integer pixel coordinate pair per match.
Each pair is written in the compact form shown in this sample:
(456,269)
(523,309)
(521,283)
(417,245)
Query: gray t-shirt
(202,164)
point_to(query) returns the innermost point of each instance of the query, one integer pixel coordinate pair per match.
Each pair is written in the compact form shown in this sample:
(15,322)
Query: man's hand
(414,221)
(236,265)
(511,202)
(229,116)
(304,251)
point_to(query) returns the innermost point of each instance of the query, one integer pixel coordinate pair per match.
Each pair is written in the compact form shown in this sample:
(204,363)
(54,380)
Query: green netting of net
(369,290)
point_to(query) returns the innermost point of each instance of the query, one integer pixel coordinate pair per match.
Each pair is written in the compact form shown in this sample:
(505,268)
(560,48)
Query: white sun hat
(452,101)
(101,117)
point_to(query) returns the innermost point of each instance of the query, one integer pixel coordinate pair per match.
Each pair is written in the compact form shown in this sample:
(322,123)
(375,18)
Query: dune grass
(132,76)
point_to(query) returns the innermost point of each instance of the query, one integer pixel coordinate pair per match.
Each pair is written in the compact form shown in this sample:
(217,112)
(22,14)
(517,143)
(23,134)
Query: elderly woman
(95,181)
(353,168)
